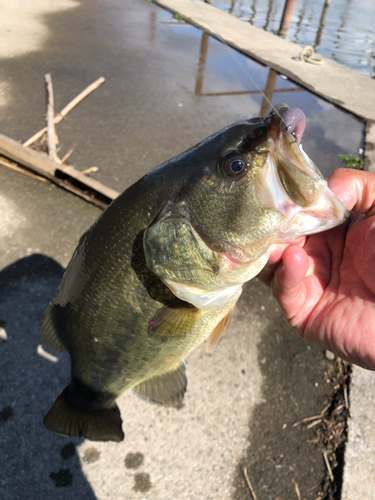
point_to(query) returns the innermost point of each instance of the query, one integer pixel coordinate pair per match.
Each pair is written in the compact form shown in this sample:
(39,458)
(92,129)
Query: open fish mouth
(300,177)
(290,182)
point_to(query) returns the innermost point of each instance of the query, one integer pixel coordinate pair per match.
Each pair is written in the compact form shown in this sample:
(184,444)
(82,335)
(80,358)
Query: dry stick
(296,487)
(79,98)
(338,409)
(16,168)
(36,136)
(51,132)
(66,155)
(313,424)
(325,456)
(65,111)
(89,170)
(325,409)
(307,419)
(249,483)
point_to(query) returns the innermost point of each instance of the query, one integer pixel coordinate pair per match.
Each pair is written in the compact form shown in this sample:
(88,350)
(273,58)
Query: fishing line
(235,55)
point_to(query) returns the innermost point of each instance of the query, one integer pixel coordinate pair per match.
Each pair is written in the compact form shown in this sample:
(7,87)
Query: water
(343,31)
(217,79)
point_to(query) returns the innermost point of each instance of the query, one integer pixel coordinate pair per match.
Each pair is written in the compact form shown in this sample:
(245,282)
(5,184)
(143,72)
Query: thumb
(355,189)
(287,284)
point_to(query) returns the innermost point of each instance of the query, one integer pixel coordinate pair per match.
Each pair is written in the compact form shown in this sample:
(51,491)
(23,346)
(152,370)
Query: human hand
(325,283)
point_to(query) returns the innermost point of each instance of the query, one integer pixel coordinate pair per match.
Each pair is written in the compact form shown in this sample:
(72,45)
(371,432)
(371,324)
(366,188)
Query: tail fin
(99,425)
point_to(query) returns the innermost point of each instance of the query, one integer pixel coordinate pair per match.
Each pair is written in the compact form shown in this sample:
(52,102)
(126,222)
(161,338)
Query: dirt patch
(284,458)
(133,460)
(142,482)
(332,430)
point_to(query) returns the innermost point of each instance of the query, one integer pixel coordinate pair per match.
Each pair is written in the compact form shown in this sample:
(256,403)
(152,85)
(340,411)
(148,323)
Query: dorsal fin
(100,425)
(173,321)
(48,333)
(218,332)
(167,389)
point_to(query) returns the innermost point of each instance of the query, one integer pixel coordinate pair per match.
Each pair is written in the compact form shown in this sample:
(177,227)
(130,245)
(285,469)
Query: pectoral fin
(48,333)
(218,332)
(173,321)
(167,389)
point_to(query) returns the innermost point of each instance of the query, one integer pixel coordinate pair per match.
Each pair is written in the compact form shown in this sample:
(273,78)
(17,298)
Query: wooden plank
(334,82)
(31,159)
(87,181)
(45,167)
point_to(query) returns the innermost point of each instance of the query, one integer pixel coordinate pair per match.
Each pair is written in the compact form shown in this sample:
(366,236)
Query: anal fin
(218,332)
(167,389)
(99,425)
(173,321)
(48,333)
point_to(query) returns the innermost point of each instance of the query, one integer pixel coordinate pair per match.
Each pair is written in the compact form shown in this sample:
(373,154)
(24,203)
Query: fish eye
(236,165)
(233,164)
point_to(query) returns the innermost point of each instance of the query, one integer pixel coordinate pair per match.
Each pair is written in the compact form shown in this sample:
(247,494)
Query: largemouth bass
(162,268)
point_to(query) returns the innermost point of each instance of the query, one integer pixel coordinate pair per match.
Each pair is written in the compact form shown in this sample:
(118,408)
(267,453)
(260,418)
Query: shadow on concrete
(278,453)
(34,463)
(150,67)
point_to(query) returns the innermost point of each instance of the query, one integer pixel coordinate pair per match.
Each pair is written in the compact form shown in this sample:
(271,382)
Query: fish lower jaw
(326,213)
(205,299)
(233,271)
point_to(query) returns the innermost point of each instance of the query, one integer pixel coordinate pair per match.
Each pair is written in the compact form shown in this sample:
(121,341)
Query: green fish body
(162,268)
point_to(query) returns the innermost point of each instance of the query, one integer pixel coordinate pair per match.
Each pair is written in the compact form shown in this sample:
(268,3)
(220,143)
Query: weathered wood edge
(49,169)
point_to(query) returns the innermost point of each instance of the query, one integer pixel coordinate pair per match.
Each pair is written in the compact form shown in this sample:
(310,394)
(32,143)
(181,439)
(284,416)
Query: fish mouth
(290,182)
(300,177)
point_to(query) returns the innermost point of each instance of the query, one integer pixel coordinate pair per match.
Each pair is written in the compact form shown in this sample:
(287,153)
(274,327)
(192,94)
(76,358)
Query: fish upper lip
(288,153)
(286,144)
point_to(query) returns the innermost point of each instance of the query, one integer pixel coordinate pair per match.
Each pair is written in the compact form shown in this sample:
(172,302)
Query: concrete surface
(359,455)
(261,377)
(370,147)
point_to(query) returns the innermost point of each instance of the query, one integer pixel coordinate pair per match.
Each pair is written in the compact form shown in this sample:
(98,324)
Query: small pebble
(329,355)
(3,334)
